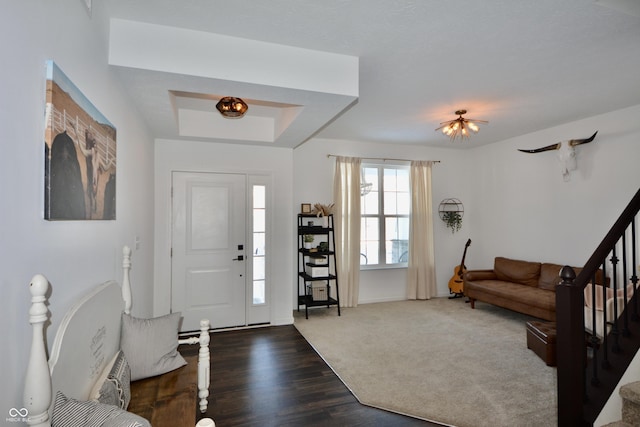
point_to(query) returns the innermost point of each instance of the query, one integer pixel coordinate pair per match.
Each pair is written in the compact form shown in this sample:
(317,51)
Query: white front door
(208,264)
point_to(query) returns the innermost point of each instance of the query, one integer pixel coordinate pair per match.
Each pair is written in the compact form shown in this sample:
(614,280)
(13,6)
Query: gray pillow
(116,388)
(151,345)
(76,413)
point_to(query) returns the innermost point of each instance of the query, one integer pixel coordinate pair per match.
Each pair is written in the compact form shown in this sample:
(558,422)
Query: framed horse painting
(80,154)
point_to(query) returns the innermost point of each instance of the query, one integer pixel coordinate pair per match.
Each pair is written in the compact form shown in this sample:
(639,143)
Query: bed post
(204,369)
(126,282)
(203,365)
(37,385)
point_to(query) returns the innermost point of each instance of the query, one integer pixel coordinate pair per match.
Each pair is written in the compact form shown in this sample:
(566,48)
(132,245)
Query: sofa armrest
(472,275)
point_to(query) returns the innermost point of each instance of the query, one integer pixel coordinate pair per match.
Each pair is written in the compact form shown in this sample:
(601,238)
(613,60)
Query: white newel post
(37,388)
(203,365)
(126,281)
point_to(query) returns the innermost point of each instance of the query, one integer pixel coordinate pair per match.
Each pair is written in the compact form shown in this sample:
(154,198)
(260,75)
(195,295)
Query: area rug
(437,360)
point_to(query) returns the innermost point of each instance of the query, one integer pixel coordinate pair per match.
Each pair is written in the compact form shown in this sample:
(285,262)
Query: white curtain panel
(421,272)
(346,196)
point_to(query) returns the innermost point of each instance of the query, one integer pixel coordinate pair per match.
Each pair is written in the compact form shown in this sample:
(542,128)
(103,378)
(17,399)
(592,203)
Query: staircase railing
(596,344)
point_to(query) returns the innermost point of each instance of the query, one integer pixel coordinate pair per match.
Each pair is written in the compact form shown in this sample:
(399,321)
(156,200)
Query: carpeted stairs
(630,394)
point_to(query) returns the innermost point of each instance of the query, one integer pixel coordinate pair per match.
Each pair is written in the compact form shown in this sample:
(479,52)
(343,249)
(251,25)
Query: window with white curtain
(385,209)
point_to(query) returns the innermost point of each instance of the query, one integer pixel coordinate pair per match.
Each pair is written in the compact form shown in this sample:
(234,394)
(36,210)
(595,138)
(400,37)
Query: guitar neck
(464,254)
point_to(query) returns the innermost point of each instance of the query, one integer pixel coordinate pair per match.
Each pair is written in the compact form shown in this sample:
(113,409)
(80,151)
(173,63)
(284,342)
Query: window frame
(381,216)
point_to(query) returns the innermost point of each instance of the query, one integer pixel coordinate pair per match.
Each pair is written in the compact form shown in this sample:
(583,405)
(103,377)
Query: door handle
(240,258)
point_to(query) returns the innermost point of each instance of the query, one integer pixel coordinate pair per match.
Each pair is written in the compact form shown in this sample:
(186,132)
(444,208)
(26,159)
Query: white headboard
(86,340)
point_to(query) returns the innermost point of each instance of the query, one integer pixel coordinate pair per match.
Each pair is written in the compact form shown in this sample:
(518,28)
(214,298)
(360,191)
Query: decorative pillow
(549,276)
(76,413)
(512,270)
(113,385)
(151,345)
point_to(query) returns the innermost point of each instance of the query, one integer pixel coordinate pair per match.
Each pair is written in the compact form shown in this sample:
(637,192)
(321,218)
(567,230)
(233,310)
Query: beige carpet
(437,360)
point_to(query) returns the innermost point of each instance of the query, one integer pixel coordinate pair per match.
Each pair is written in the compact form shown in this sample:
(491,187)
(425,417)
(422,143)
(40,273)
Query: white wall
(313,183)
(516,204)
(74,255)
(208,157)
(529,212)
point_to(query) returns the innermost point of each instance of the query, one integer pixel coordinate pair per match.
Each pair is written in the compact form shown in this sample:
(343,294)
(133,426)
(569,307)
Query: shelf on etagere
(309,278)
(310,302)
(313,229)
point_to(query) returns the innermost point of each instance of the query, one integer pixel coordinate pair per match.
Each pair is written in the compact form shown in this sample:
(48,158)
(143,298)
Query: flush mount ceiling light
(232,108)
(460,127)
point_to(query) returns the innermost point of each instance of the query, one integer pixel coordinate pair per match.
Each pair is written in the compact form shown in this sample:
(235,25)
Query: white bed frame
(87,339)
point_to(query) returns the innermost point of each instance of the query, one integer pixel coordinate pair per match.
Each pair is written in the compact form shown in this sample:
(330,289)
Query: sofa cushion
(511,270)
(511,295)
(549,276)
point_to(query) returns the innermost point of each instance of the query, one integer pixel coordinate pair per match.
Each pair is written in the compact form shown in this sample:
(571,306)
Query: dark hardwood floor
(272,377)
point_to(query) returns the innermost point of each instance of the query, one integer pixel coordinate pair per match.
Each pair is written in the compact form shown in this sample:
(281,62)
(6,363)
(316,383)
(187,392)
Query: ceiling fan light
(459,127)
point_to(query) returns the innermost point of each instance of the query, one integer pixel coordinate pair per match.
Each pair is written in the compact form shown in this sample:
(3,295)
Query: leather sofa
(523,286)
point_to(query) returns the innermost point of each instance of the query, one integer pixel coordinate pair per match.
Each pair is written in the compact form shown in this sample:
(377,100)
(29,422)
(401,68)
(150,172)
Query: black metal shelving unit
(316,291)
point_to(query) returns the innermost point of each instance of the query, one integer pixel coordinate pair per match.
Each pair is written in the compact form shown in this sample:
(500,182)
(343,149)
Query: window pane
(258,220)
(369,229)
(396,241)
(369,201)
(390,203)
(403,203)
(369,253)
(403,228)
(369,205)
(259,292)
(370,241)
(259,244)
(259,196)
(371,177)
(403,179)
(390,181)
(258,268)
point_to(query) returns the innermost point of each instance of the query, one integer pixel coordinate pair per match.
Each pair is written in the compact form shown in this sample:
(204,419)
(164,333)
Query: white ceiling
(521,65)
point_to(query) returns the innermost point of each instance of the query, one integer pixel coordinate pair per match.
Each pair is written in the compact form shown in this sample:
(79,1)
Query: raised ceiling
(373,70)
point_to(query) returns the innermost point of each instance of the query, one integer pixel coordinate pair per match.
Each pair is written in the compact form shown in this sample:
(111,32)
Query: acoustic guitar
(456,283)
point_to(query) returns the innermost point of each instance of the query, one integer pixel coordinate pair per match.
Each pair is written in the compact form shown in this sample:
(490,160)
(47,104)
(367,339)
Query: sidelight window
(259,244)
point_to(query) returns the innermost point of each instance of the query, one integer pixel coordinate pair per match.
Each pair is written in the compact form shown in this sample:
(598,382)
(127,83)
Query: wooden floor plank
(169,399)
(273,377)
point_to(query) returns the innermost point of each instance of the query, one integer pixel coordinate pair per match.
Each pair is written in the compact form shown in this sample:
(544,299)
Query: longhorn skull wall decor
(566,153)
